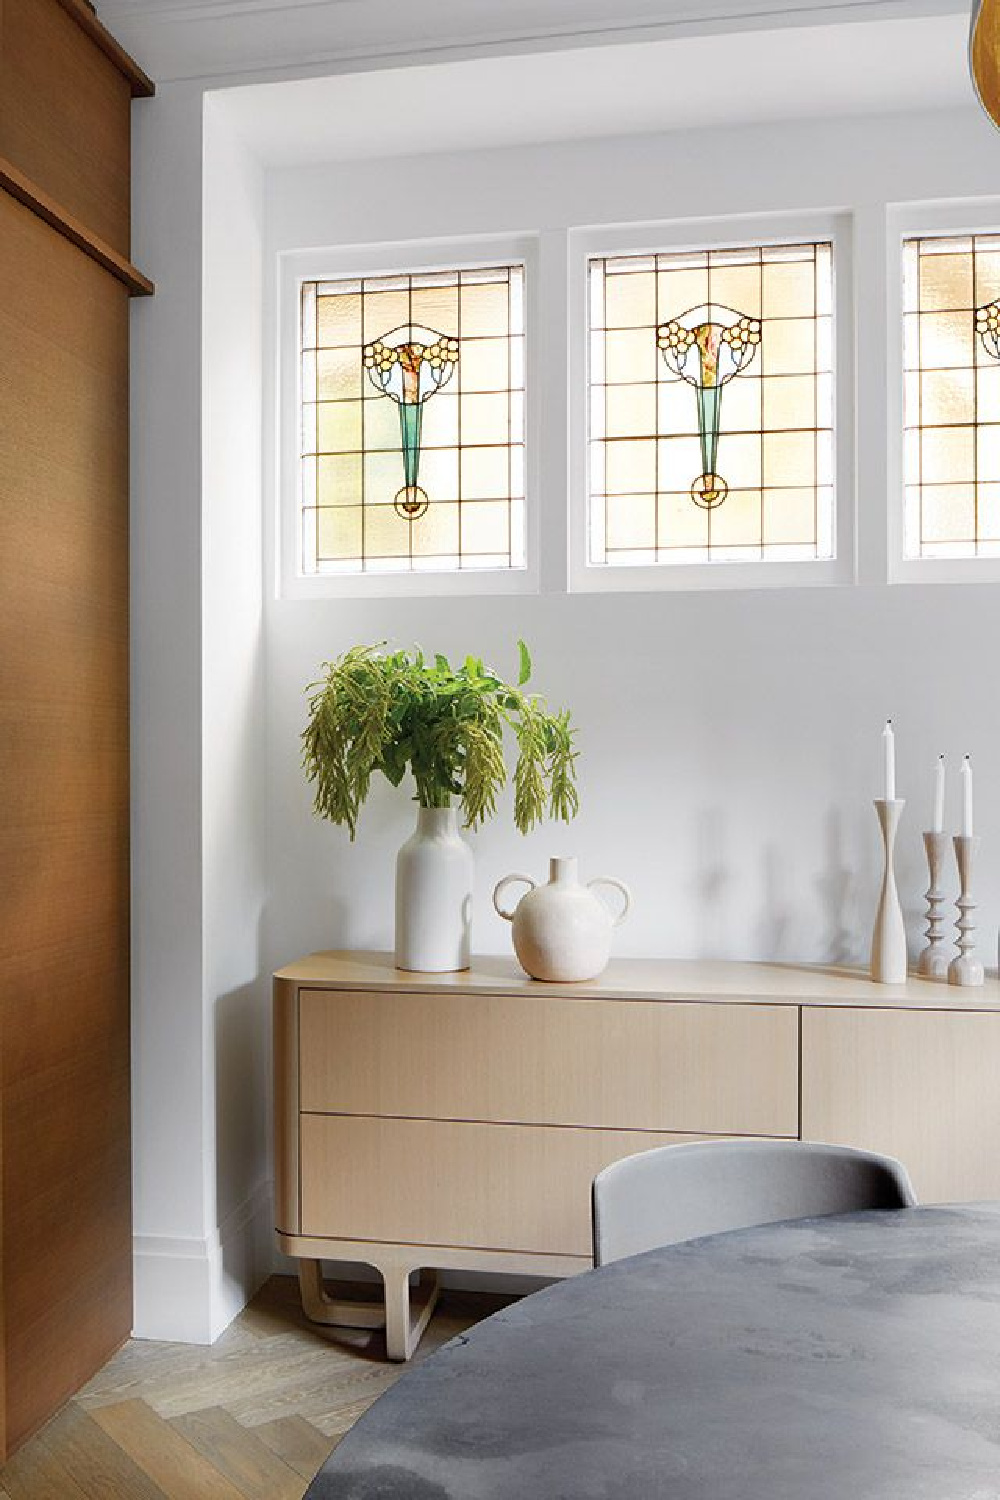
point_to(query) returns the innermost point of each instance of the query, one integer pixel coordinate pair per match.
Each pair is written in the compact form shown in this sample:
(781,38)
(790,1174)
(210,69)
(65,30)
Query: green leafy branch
(393,712)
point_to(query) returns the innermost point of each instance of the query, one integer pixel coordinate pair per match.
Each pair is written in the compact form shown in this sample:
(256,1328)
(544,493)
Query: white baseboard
(187,1289)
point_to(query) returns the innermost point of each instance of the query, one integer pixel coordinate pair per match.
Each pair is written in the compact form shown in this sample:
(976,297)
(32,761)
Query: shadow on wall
(309,920)
(839,888)
(840,913)
(242,1020)
(776,913)
(713,880)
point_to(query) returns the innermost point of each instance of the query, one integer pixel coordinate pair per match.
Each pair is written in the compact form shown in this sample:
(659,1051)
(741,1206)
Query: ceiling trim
(205,39)
(673,12)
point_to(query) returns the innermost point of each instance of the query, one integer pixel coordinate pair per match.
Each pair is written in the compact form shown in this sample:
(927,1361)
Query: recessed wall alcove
(728,735)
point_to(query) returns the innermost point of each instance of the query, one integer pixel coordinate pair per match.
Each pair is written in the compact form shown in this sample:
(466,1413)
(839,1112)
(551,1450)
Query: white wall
(234,789)
(169,1059)
(200,1004)
(729,740)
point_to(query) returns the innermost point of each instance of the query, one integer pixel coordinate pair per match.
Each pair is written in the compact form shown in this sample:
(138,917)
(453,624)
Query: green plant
(390,712)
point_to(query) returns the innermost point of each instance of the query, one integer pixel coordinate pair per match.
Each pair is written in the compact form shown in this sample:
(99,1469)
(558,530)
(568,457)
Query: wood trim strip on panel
(85,16)
(40,203)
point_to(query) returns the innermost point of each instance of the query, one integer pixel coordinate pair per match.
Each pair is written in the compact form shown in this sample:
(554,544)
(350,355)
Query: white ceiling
(175,39)
(868,68)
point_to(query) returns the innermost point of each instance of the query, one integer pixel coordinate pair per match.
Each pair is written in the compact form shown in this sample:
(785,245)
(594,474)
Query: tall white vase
(434,872)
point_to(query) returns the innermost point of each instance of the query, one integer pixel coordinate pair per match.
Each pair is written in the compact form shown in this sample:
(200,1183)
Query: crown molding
(218,39)
(668,12)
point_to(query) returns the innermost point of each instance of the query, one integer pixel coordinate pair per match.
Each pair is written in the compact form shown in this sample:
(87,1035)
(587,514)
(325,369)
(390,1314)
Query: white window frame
(695,235)
(346,263)
(903,222)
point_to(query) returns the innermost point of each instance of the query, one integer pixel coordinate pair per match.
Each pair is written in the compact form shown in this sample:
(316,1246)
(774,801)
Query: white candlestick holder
(964,969)
(933,961)
(888,963)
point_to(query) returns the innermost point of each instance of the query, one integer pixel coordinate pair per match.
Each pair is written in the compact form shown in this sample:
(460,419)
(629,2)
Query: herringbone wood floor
(251,1418)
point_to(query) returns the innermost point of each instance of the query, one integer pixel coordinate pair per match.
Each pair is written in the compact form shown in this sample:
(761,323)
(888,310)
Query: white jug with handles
(561,930)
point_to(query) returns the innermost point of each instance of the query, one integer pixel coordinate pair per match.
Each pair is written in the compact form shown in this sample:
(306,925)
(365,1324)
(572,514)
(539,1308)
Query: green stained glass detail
(410,365)
(709,409)
(410,418)
(707,347)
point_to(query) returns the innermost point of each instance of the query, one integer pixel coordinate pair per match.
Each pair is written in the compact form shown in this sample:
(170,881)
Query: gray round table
(848,1358)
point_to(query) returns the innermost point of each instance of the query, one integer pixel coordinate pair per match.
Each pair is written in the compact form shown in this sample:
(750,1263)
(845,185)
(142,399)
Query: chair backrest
(677,1193)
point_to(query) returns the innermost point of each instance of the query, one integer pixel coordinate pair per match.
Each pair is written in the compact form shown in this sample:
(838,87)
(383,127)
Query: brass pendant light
(984,55)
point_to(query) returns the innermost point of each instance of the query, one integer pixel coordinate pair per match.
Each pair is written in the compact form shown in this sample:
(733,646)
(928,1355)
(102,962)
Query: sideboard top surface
(649,979)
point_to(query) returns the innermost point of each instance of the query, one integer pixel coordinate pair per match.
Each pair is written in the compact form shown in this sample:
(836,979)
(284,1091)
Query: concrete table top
(847,1358)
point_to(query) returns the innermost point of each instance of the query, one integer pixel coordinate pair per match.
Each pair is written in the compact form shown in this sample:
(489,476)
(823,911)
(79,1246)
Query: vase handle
(508,916)
(619,886)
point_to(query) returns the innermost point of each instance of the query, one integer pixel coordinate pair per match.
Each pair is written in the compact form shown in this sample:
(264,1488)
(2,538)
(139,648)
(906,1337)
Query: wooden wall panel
(65,115)
(64,1085)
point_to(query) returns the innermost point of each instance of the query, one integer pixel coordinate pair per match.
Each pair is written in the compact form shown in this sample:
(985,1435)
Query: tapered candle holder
(965,969)
(933,961)
(888,965)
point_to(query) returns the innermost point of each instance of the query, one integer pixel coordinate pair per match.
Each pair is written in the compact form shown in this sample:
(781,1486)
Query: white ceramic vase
(561,930)
(434,872)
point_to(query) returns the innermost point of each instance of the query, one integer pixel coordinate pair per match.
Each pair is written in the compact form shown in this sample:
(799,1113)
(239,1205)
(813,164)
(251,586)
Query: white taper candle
(937,826)
(889,756)
(967,798)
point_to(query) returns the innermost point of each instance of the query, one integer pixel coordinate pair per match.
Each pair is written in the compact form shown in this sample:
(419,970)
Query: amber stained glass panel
(413,412)
(711,406)
(951,395)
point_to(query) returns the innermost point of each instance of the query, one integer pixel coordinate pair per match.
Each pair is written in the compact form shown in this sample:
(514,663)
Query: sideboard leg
(320,1307)
(403,1332)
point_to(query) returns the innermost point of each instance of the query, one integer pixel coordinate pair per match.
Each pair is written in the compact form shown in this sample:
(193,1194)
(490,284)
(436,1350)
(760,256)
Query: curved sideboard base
(403,1330)
(405,1311)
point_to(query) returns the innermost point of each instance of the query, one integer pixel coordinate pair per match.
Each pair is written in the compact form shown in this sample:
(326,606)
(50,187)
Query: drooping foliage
(392,712)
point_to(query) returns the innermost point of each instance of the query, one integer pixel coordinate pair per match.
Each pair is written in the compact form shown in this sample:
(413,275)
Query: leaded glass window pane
(711,406)
(951,396)
(412,451)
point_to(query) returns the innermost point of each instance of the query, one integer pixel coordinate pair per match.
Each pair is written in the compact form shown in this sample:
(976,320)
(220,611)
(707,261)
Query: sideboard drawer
(638,1065)
(432,1182)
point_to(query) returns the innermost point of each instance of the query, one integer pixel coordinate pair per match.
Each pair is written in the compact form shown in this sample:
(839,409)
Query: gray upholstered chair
(677,1193)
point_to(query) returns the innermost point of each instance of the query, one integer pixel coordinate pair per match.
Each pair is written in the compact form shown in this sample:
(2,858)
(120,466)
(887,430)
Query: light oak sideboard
(456,1121)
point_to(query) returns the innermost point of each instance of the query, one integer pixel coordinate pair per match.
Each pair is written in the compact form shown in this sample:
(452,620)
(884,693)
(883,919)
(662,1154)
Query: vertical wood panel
(66,1232)
(64,115)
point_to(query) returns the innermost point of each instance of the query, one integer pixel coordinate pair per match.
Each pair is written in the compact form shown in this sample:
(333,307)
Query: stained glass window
(711,406)
(951,396)
(412,455)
